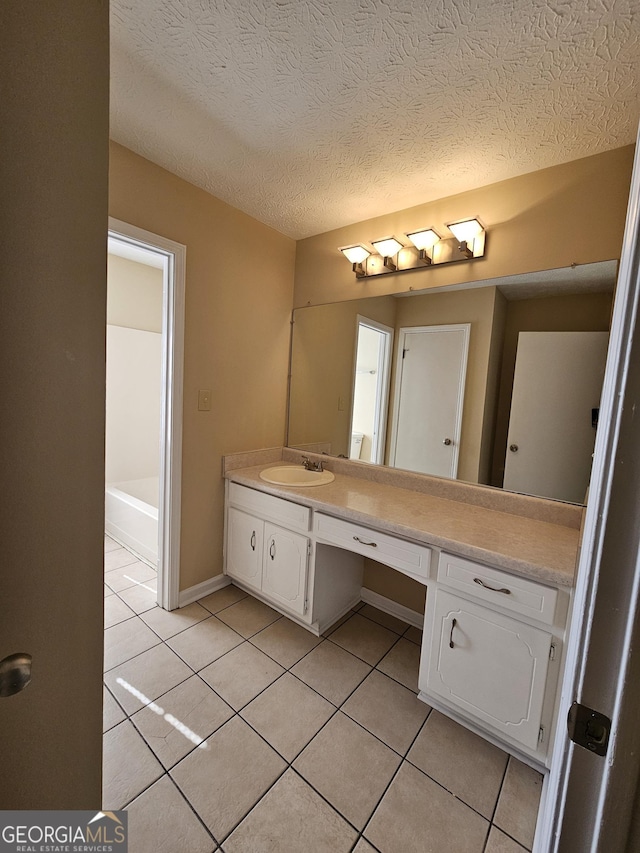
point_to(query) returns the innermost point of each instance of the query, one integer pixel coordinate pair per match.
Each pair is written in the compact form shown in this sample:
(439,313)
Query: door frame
(173,256)
(403,332)
(585,792)
(382,387)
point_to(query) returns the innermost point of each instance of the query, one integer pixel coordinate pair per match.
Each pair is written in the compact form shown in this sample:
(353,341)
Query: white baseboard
(387,605)
(200,590)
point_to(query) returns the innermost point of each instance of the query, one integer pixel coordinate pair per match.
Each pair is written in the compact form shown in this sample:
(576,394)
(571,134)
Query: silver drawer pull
(504,590)
(453,625)
(362,542)
(253,541)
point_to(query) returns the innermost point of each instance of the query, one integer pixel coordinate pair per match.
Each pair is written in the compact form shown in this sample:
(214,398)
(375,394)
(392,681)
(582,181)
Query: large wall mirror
(496,383)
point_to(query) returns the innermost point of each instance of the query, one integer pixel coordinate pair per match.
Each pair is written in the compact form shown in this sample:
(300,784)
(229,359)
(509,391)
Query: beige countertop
(536,549)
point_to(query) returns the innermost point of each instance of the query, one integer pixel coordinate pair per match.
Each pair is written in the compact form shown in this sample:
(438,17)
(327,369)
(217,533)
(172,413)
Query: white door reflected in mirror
(557,386)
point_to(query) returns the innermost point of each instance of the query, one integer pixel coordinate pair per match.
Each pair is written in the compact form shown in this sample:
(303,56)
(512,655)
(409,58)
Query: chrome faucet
(311,466)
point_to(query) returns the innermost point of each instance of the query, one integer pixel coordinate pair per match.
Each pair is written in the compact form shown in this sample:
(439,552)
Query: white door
(490,665)
(559,373)
(591,802)
(55,64)
(244,547)
(430,379)
(284,574)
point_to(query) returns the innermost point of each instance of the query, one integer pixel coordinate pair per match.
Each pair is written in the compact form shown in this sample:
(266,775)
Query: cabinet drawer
(509,592)
(287,513)
(407,557)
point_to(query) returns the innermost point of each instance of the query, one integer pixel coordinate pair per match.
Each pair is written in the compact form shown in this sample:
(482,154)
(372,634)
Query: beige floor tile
(128,768)
(291,818)
(349,767)
(341,620)
(285,642)
(167,623)
(461,761)
(414,635)
(112,713)
(222,598)
(248,616)
(388,710)
(332,671)
(417,815)
(391,622)
(160,821)
(181,719)
(146,677)
(130,575)
(241,674)
(517,810)
(364,638)
(116,558)
(500,843)
(125,641)
(110,544)
(205,642)
(141,597)
(115,611)
(288,714)
(108,591)
(363,846)
(225,780)
(402,663)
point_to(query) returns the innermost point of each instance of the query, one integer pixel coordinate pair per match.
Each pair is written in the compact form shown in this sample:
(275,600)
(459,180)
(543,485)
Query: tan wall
(469,306)
(586,312)
(54,65)
(324,339)
(134,294)
(394,585)
(238,300)
(539,221)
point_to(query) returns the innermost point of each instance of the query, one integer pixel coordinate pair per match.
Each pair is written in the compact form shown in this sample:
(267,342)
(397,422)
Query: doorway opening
(159,353)
(370,391)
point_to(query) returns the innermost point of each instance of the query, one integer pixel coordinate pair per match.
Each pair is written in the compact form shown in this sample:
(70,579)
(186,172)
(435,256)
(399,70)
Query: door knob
(513,448)
(447,441)
(15,673)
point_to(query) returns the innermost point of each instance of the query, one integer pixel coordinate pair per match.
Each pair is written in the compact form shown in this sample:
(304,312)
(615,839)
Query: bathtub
(131,516)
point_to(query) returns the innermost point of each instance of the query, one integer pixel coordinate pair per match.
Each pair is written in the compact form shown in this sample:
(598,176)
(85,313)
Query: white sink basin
(295,475)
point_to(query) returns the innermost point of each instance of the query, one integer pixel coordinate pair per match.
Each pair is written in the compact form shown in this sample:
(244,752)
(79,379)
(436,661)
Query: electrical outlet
(204,401)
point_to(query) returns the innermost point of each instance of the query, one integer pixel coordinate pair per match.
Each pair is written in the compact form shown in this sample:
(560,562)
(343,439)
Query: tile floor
(229,728)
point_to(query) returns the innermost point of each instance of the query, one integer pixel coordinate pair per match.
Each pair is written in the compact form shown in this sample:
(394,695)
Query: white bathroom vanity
(498,571)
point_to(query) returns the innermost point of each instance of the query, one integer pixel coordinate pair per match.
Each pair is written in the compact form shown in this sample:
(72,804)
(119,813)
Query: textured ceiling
(314,114)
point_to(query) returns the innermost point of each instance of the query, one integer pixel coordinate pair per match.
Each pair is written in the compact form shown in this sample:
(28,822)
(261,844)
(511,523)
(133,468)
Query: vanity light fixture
(356,255)
(466,231)
(427,248)
(388,248)
(424,241)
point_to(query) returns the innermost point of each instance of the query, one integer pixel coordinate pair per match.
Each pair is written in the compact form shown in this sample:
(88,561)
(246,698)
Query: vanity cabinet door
(490,665)
(284,573)
(245,536)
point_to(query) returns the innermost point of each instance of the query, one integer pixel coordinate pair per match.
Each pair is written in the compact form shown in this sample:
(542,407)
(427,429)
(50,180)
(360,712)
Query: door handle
(513,448)
(272,550)
(15,673)
(503,589)
(453,625)
(253,541)
(447,441)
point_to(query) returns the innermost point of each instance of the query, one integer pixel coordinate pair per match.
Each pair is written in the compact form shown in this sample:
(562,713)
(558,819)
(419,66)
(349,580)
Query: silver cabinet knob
(15,673)
(513,448)
(447,441)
